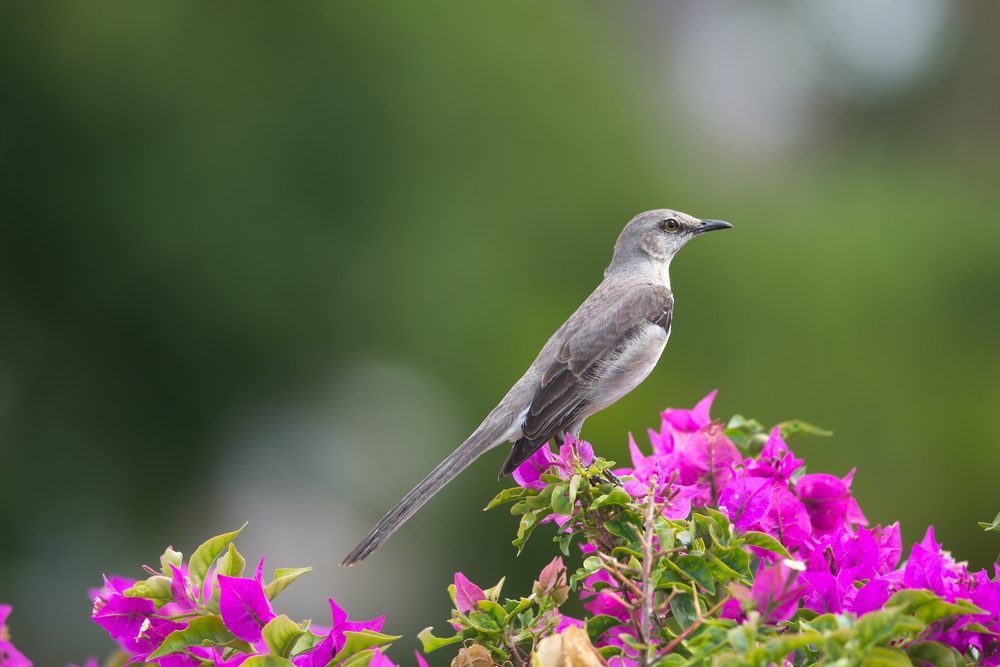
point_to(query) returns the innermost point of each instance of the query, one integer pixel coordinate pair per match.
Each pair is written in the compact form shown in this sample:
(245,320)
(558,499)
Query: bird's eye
(671,225)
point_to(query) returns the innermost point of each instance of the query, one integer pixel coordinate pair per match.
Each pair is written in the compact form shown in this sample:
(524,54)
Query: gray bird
(602,352)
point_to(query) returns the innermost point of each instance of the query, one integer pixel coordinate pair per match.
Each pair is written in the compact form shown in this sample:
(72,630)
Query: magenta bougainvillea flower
(776,591)
(467,594)
(335,640)
(828,500)
(188,614)
(776,460)
(747,500)
(244,607)
(529,473)
(9,655)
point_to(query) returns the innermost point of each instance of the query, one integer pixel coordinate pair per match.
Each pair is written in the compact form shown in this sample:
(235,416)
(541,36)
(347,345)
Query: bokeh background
(271,262)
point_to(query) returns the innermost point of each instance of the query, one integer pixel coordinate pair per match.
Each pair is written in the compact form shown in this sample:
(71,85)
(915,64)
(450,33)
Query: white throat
(665,272)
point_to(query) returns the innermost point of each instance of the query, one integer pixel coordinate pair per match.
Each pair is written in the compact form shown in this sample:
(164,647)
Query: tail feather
(470,450)
(522,451)
(519,453)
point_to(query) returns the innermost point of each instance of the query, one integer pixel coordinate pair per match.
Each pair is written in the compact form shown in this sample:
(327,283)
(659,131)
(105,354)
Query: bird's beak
(711,225)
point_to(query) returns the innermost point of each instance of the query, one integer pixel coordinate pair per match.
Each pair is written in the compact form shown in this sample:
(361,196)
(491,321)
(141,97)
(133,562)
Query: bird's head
(657,236)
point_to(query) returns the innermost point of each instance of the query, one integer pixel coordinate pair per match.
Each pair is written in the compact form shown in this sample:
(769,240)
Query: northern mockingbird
(602,352)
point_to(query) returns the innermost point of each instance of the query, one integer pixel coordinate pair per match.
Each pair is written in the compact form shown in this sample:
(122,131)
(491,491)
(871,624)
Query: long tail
(486,437)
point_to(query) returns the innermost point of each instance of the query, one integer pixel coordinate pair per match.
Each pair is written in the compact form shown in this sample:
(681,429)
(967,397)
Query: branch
(648,593)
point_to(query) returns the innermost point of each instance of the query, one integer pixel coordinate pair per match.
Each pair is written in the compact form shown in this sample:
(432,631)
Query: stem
(697,605)
(648,594)
(619,599)
(625,580)
(515,654)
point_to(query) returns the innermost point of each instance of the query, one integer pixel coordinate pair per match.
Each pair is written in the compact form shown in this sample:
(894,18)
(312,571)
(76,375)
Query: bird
(606,348)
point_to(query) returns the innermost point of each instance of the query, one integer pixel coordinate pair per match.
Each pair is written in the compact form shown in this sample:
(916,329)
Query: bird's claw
(613,478)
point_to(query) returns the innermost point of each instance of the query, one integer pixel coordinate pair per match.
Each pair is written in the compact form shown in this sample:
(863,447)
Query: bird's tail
(486,437)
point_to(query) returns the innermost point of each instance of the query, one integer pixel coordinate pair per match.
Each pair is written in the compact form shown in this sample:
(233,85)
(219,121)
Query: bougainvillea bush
(714,547)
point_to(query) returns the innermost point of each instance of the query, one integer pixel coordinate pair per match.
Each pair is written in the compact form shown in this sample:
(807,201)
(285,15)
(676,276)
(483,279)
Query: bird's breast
(635,360)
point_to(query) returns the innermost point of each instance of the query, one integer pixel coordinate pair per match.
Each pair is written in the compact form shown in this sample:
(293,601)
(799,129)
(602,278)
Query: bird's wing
(595,334)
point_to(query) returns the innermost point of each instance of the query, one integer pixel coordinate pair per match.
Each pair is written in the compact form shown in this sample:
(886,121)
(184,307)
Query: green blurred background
(271,262)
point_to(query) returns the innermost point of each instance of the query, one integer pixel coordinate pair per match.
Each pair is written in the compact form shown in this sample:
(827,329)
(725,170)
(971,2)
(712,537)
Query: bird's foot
(613,478)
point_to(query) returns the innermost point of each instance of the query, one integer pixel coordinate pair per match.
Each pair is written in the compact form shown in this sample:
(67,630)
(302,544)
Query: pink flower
(775,461)
(323,652)
(828,500)
(776,592)
(9,656)
(571,452)
(467,594)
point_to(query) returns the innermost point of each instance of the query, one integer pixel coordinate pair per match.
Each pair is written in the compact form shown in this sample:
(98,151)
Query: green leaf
(515,607)
(883,656)
(493,593)
(541,501)
(764,541)
(721,571)
(993,527)
(200,631)
(280,634)
(267,661)
(507,496)
(524,530)
(170,557)
(938,609)
(672,660)
(561,501)
(718,526)
(623,530)
(483,622)
(935,653)
(696,569)
(495,610)
(911,598)
(432,643)
(576,482)
(825,623)
(563,540)
(283,577)
(666,534)
(357,660)
(232,563)
(306,642)
(598,625)
(156,588)
(876,627)
(617,496)
(206,553)
(591,564)
(682,607)
(735,558)
(978,628)
(779,647)
(794,428)
(359,641)
(928,607)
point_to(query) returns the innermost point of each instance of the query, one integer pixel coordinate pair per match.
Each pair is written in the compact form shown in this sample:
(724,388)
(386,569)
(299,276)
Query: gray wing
(594,335)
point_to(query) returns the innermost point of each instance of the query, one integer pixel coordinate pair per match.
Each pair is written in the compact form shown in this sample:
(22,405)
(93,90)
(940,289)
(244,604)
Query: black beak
(711,226)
